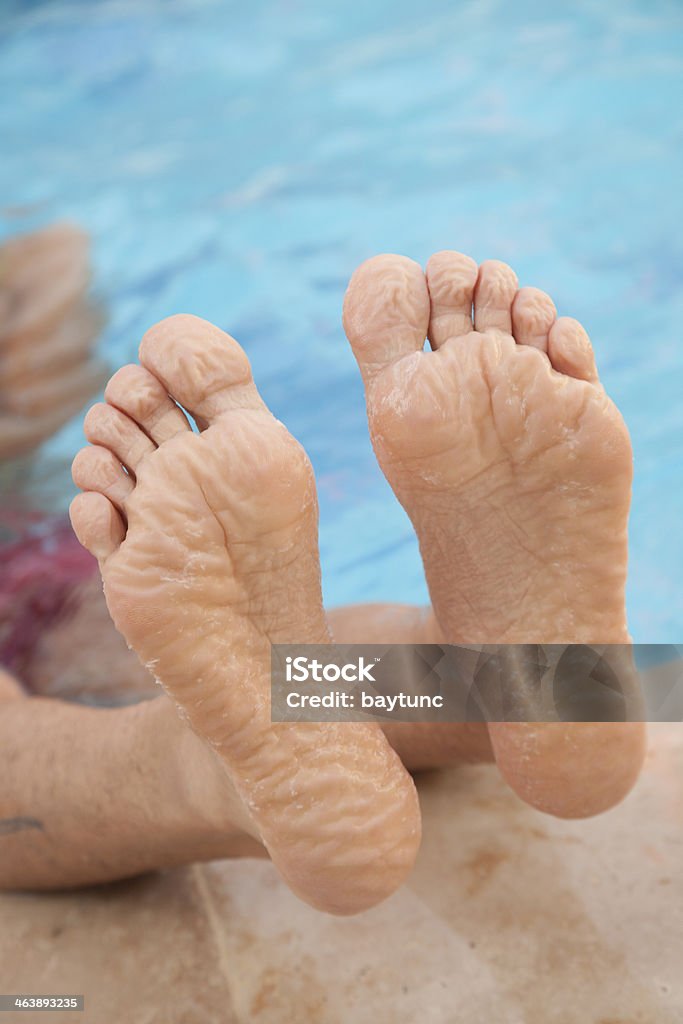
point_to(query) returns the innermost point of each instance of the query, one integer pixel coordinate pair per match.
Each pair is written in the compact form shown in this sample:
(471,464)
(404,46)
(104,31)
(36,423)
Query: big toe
(202,367)
(386,311)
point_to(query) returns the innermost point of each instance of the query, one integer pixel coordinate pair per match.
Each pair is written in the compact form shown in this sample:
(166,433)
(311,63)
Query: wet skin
(496,442)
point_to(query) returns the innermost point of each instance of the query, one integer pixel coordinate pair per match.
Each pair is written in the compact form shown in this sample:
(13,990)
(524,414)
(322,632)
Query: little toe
(533,314)
(97,469)
(386,311)
(97,524)
(570,350)
(493,296)
(141,396)
(204,368)
(110,428)
(451,278)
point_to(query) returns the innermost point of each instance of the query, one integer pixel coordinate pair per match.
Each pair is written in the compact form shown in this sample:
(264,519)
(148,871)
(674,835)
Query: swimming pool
(237,161)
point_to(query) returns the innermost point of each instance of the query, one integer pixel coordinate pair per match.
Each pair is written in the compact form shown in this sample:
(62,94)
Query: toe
(451,278)
(200,365)
(97,524)
(141,396)
(96,469)
(386,311)
(493,296)
(570,350)
(533,314)
(106,426)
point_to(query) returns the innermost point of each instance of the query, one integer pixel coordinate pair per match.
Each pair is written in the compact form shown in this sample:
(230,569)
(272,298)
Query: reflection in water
(48,329)
(49,326)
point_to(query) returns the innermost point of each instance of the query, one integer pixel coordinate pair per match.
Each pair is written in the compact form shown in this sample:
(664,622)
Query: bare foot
(207,545)
(515,469)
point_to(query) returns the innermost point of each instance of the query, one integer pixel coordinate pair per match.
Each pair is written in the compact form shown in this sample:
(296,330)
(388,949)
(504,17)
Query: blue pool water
(238,160)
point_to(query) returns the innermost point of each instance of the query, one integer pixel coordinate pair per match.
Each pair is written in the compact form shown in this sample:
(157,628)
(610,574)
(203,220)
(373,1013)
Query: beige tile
(142,952)
(510,917)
